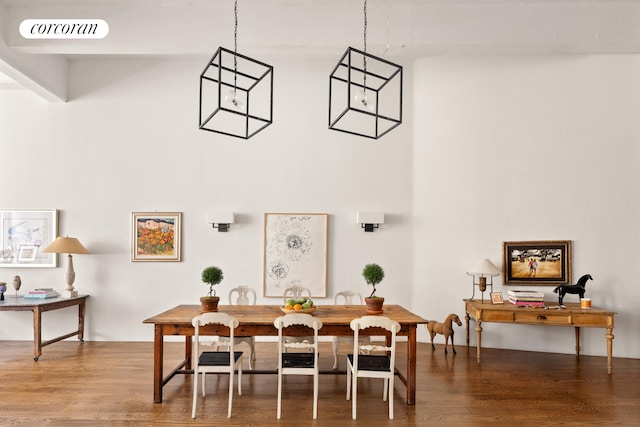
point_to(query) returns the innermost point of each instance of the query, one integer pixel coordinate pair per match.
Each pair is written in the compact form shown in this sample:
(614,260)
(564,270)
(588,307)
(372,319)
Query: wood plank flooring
(110,384)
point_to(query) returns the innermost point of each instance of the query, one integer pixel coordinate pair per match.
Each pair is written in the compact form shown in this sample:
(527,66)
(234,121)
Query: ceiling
(396,29)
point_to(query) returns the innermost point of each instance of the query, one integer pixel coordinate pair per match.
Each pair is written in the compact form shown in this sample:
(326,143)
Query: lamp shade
(485,267)
(66,245)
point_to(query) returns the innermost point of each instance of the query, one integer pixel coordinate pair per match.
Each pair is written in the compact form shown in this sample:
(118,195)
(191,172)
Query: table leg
(411,366)
(81,321)
(187,352)
(577,328)
(158,356)
(37,333)
(466,318)
(609,336)
(478,338)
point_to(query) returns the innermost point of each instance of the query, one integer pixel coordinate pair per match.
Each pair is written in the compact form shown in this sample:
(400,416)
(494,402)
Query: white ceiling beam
(45,75)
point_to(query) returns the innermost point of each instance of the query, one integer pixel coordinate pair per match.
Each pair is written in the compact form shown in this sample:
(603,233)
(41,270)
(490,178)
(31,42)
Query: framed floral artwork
(295,253)
(24,234)
(156,236)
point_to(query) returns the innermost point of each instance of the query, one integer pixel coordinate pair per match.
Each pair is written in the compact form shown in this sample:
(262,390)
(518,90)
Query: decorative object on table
(42,293)
(373,274)
(156,236)
(24,234)
(3,289)
(543,262)
(526,298)
(445,328)
(211,276)
(67,245)
(301,305)
(579,288)
(496,298)
(365,93)
(17,282)
(295,253)
(236,93)
(484,269)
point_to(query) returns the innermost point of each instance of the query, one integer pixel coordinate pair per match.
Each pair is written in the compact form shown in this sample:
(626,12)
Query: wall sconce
(484,269)
(370,220)
(221,220)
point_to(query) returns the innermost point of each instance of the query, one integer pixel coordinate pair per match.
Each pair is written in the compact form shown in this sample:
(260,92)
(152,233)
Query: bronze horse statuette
(445,328)
(578,288)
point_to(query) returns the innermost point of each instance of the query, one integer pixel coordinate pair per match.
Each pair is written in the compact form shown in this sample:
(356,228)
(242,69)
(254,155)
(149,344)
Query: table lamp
(67,245)
(484,269)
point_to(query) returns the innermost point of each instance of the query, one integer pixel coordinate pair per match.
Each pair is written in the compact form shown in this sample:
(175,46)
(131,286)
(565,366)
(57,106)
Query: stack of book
(42,293)
(526,298)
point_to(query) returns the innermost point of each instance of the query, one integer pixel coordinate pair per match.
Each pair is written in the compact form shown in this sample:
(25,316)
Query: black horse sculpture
(578,288)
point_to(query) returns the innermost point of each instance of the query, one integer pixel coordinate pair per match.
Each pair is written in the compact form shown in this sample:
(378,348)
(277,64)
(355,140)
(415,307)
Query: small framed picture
(496,298)
(156,236)
(27,253)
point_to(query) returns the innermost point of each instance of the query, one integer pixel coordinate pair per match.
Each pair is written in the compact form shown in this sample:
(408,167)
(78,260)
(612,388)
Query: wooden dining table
(257,320)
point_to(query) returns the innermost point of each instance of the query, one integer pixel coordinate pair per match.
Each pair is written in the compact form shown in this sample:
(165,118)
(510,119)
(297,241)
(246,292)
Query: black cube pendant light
(365,93)
(236,93)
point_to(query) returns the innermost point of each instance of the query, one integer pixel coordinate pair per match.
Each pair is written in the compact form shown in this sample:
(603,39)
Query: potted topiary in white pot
(373,274)
(211,276)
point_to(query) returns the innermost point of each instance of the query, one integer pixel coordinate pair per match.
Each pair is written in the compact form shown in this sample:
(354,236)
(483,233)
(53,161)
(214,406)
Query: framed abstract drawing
(543,262)
(295,253)
(156,236)
(24,234)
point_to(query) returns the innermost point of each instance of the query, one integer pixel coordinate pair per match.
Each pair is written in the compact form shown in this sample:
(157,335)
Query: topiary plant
(212,276)
(373,274)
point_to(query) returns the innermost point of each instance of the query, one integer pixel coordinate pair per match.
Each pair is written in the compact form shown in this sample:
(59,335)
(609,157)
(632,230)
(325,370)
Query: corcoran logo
(64,29)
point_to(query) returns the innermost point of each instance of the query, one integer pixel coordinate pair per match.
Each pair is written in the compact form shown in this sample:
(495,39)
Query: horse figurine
(445,328)
(578,288)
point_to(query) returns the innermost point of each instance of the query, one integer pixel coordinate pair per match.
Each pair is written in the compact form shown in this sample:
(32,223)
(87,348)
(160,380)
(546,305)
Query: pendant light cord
(365,48)
(235,49)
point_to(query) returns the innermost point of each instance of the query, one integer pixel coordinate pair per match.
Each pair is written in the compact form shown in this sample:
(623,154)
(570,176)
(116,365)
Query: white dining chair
(296,292)
(369,365)
(298,358)
(215,361)
(344,298)
(244,296)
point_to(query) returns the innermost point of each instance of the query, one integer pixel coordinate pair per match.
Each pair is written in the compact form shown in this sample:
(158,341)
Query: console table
(39,306)
(572,315)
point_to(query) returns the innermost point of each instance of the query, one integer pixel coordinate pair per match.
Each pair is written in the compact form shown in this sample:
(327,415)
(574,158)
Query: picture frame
(295,253)
(27,253)
(156,236)
(23,236)
(497,298)
(541,262)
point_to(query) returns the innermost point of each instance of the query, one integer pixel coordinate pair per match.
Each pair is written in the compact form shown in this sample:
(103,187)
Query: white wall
(529,148)
(452,180)
(128,141)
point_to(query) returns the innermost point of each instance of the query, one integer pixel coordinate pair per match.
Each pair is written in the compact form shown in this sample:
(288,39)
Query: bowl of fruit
(301,305)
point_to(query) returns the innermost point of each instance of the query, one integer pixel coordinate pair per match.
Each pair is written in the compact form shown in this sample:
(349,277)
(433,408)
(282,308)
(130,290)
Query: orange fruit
(288,307)
(297,307)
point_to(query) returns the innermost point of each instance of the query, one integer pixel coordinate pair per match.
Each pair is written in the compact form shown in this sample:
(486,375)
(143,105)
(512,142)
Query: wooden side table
(572,315)
(39,306)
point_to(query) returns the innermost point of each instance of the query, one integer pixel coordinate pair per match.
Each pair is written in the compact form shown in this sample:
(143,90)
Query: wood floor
(110,384)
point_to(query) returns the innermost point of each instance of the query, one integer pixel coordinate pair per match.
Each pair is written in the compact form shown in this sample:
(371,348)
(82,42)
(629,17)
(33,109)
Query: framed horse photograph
(541,262)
